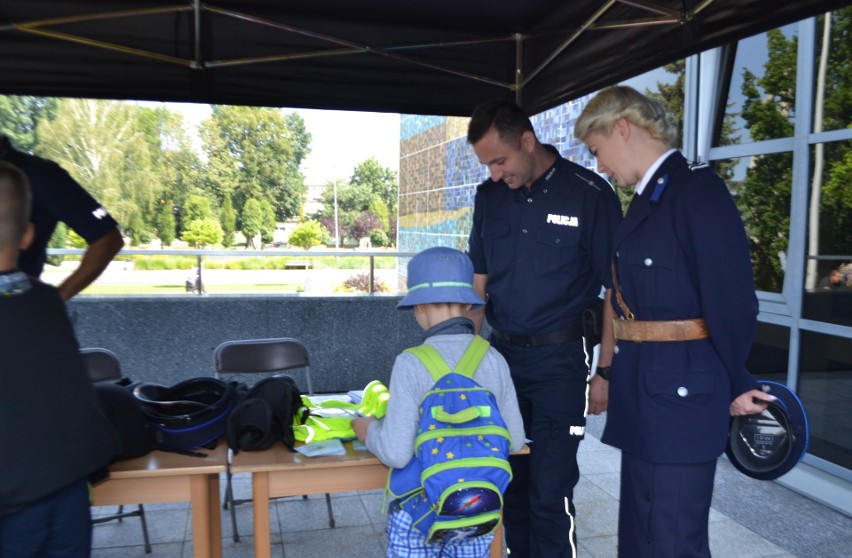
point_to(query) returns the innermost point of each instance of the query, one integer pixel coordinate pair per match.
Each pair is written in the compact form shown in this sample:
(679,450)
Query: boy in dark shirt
(53,434)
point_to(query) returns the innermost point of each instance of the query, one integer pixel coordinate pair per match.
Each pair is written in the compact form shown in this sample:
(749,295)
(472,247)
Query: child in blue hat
(440,292)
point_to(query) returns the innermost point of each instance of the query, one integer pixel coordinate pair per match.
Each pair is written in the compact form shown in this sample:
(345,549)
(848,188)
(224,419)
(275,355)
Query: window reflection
(761,187)
(770,352)
(825,387)
(762,92)
(828,271)
(834,104)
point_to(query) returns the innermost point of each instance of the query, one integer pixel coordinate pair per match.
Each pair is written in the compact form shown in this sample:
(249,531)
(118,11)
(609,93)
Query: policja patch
(767,445)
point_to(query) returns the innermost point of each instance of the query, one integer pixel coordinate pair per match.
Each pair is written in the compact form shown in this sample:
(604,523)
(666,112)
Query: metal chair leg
(330,512)
(144,529)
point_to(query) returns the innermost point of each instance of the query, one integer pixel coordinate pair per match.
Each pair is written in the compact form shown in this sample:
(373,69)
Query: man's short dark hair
(505,116)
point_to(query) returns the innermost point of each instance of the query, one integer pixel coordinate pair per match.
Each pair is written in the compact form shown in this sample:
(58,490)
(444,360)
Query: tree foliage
(20,115)
(228,219)
(101,145)
(307,234)
(254,153)
(166,224)
(252,220)
(364,203)
(769,112)
(202,232)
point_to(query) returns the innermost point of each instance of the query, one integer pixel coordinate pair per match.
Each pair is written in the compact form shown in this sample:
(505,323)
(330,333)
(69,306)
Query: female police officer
(684,291)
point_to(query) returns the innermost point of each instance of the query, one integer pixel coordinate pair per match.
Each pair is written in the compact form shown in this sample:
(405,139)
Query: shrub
(361,283)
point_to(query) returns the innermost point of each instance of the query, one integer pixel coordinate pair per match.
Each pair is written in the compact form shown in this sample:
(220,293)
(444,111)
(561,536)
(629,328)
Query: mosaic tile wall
(438,173)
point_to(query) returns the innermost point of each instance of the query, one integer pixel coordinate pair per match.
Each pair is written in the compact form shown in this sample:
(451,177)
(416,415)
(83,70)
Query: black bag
(126,415)
(190,414)
(266,415)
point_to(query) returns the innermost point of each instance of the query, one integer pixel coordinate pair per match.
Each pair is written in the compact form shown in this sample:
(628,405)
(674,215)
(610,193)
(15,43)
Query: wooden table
(277,472)
(171,477)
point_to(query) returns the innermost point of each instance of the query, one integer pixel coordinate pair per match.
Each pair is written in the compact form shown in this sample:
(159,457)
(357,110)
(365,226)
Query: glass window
(762,91)
(761,187)
(828,273)
(770,352)
(835,104)
(825,387)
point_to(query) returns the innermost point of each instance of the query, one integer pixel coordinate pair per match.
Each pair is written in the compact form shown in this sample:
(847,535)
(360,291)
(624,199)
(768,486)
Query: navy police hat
(767,445)
(438,275)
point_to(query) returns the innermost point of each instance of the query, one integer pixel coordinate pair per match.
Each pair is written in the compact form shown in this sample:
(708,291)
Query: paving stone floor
(749,519)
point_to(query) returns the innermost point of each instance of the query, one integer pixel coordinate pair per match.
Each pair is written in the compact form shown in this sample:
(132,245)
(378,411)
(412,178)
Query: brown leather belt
(675,330)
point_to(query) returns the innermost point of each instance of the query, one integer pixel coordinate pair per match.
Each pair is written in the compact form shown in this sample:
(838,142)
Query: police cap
(767,445)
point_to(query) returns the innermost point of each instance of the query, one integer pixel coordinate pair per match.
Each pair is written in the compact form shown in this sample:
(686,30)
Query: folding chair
(261,356)
(102,365)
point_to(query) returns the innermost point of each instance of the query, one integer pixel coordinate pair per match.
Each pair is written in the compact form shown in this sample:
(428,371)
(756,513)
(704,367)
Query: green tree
(308,234)
(250,152)
(166,224)
(59,239)
(764,195)
(382,182)
(671,96)
(99,143)
(202,232)
(267,232)
(252,220)
(20,115)
(228,219)
(196,206)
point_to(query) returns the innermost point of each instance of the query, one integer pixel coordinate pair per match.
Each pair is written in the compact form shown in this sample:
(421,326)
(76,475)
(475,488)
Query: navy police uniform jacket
(546,249)
(681,252)
(56,197)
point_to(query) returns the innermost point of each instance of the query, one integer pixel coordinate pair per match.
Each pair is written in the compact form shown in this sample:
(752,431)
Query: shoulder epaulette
(698,165)
(587,180)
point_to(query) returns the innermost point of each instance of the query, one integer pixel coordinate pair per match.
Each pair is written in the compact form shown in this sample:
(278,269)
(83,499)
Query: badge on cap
(767,445)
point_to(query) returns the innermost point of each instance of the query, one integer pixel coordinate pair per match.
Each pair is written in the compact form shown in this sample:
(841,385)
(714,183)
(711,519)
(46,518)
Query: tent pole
(519,68)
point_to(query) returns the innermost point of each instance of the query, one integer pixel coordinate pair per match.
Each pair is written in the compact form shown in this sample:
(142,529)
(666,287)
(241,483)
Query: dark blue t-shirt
(546,249)
(56,197)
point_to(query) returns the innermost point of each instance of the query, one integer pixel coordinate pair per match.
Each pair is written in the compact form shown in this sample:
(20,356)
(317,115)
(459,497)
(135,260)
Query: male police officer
(541,244)
(58,197)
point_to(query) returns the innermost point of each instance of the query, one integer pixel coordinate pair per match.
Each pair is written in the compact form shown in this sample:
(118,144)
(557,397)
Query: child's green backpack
(453,487)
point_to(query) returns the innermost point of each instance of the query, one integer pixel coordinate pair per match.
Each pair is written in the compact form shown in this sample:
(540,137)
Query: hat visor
(440,295)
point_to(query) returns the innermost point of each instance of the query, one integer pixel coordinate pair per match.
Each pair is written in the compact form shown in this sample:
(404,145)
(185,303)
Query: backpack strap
(466,366)
(471,358)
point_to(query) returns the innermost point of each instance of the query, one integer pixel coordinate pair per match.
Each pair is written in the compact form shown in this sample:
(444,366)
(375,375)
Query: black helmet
(767,445)
(190,414)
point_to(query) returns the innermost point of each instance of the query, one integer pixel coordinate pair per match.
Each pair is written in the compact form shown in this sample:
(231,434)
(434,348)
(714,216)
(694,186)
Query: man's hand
(598,395)
(97,257)
(360,425)
(743,404)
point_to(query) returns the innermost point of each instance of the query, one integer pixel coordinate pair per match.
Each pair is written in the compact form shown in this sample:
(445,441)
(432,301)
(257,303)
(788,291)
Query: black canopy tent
(418,57)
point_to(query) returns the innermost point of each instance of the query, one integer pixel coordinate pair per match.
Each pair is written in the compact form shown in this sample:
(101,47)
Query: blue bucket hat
(440,275)
(767,445)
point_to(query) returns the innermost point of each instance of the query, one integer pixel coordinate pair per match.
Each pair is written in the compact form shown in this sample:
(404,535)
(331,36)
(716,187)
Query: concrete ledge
(353,339)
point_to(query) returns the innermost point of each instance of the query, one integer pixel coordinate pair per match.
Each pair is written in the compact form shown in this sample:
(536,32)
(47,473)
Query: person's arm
(477,316)
(97,257)
(598,386)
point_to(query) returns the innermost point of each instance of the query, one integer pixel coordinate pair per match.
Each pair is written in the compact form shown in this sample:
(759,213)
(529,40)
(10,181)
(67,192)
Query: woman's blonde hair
(620,101)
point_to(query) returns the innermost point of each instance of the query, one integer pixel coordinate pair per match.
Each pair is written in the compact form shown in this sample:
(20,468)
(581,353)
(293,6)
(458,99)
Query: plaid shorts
(407,541)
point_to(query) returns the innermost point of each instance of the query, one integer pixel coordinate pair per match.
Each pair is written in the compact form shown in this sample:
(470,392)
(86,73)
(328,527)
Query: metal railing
(299,256)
